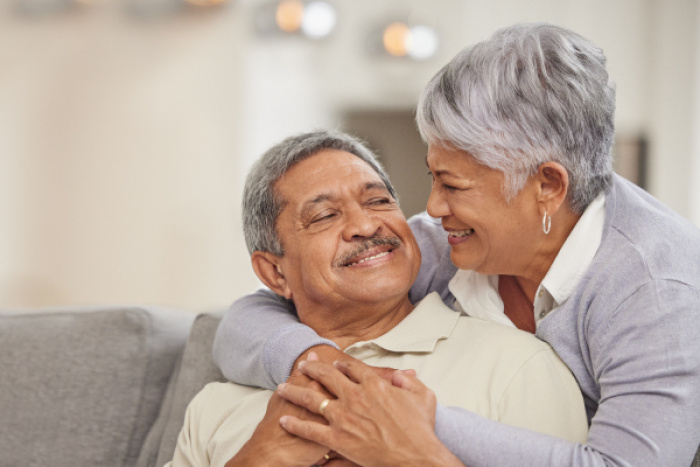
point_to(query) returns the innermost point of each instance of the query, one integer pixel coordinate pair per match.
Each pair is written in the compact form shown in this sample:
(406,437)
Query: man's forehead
(335,195)
(326,176)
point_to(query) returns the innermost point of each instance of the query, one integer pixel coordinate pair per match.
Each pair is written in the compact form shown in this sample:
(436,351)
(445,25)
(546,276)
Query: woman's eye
(442,184)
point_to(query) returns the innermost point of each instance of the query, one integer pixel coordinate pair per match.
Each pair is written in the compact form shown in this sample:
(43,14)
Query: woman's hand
(372,421)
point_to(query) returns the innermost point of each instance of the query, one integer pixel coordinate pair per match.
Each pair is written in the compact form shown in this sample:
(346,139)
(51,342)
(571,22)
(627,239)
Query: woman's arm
(645,357)
(260,338)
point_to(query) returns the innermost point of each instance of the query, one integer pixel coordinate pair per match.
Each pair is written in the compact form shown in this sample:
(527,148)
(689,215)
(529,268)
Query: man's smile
(369,249)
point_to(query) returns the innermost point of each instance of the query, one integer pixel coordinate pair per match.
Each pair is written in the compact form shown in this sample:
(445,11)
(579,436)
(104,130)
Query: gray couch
(98,387)
(101,387)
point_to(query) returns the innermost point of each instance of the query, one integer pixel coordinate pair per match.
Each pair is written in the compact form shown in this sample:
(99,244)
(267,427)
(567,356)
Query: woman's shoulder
(646,240)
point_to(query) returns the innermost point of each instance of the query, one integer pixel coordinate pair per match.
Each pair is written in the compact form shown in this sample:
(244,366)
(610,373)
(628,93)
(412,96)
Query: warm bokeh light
(289,15)
(417,42)
(395,39)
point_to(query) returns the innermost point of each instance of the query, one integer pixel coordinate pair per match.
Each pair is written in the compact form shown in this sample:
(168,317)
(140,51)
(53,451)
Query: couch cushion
(196,370)
(82,387)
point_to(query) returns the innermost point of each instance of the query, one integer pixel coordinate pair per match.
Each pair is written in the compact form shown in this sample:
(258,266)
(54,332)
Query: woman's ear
(268,269)
(553,183)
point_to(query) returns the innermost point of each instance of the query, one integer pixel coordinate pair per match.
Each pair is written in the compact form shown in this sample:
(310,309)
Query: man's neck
(348,323)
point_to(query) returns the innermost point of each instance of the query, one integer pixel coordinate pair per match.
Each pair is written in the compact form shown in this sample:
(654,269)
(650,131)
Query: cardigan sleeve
(645,357)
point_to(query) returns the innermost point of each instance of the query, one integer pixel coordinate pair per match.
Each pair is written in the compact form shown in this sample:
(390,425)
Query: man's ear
(267,267)
(553,184)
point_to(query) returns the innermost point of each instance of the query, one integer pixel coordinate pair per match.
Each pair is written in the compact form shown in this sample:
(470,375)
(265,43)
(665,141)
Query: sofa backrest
(196,369)
(83,387)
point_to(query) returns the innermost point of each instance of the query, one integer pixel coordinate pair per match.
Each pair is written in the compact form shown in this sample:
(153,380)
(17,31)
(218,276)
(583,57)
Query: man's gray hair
(530,94)
(262,205)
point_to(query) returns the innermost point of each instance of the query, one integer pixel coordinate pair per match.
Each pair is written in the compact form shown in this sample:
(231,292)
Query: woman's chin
(462,260)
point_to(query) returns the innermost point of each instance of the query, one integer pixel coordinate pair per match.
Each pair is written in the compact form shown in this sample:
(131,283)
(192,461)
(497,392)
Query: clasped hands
(347,414)
(373,416)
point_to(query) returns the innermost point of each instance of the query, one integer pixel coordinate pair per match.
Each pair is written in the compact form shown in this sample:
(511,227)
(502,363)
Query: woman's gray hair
(530,94)
(262,206)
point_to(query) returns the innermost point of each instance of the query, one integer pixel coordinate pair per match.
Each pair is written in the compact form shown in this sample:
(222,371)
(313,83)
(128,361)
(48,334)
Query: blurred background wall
(127,126)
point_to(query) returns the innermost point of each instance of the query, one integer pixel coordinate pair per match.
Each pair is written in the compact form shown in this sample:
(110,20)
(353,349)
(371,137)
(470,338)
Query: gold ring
(323,406)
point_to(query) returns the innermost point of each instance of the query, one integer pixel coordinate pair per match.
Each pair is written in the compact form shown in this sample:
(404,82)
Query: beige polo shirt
(498,372)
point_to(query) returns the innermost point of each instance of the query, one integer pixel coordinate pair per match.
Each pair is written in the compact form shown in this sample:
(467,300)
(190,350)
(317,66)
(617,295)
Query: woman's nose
(437,204)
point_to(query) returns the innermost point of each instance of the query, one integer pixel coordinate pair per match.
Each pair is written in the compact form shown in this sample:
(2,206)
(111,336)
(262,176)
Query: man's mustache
(364,245)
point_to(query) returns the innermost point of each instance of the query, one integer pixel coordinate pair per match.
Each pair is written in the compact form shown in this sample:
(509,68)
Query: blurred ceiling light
(417,42)
(422,42)
(289,15)
(318,20)
(314,19)
(395,39)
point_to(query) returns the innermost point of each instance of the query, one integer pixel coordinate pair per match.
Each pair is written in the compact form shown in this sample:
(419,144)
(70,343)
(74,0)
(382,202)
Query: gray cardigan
(629,333)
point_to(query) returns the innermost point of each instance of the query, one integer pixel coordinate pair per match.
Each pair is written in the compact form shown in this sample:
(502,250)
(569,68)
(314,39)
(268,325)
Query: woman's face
(486,233)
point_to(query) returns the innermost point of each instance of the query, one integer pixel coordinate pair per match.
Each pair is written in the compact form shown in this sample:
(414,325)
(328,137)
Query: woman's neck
(535,267)
(518,289)
(516,305)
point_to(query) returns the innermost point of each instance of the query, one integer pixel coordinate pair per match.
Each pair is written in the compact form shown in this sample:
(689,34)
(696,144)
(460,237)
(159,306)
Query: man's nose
(360,223)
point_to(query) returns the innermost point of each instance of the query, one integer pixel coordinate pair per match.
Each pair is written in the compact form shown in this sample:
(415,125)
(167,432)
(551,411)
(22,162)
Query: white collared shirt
(477,294)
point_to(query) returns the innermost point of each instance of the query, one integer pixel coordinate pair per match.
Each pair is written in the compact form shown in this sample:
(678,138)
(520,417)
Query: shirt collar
(430,321)
(575,255)
(477,295)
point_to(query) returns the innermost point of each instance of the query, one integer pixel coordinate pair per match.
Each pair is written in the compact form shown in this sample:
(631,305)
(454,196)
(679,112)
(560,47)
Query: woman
(546,238)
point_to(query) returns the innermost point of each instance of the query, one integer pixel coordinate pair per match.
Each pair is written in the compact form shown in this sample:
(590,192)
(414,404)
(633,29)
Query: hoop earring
(546,223)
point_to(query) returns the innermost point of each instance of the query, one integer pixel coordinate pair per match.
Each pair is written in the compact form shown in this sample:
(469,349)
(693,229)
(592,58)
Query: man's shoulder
(228,396)
(484,362)
(228,389)
(498,338)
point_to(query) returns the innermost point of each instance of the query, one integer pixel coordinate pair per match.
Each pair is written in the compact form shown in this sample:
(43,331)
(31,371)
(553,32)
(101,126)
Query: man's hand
(272,445)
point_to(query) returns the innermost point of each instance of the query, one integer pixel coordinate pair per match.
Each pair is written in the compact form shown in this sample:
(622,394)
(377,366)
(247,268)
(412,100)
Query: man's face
(345,238)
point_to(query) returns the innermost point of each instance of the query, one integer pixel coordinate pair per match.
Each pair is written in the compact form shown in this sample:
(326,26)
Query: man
(325,231)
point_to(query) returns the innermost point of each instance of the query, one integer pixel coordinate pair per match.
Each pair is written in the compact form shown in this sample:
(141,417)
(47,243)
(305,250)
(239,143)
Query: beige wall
(124,143)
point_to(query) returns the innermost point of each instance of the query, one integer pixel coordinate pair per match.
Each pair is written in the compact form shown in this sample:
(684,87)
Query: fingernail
(313,356)
(283,421)
(282,387)
(302,364)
